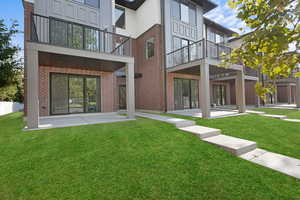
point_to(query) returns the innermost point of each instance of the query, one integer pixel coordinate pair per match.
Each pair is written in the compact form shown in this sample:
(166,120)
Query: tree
(11,70)
(275,25)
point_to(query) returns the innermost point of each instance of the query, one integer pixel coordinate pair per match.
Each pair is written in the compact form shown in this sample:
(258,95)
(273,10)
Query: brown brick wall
(108,86)
(150,87)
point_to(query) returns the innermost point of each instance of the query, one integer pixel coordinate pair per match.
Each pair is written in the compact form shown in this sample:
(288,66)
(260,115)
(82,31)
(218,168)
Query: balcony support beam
(32,78)
(240,91)
(130,94)
(204,90)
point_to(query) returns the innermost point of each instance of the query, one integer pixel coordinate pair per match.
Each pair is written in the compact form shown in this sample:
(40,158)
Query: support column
(275,95)
(204,90)
(32,69)
(130,96)
(297,92)
(240,91)
(289,94)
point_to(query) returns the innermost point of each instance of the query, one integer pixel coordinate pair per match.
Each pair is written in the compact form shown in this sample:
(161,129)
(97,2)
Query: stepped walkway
(245,149)
(282,117)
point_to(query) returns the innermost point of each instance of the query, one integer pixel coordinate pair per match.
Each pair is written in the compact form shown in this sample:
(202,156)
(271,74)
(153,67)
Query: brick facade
(108,86)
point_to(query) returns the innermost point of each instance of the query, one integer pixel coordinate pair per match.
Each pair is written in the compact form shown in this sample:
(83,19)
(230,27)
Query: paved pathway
(245,149)
(282,117)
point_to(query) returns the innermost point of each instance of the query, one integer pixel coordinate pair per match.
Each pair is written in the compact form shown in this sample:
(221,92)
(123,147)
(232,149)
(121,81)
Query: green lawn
(292,114)
(271,134)
(140,159)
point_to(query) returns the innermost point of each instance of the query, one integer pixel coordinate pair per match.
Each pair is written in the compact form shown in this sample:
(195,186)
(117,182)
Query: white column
(204,90)
(275,95)
(32,88)
(298,92)
(240,91)
(130,96)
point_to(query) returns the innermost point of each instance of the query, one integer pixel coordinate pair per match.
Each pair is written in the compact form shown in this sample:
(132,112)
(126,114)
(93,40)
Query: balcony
(199,50)
(58,32)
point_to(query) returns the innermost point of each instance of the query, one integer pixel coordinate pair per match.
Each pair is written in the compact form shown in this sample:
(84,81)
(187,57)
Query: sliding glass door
(219,95)
(185,94)
(74,94)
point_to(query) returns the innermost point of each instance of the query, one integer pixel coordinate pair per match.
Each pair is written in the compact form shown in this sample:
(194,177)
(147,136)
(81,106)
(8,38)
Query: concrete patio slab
(255,112)
(201,131)
(274,116)
(278,162)
(171,120)
(79,120)
(215,113)
(234,145)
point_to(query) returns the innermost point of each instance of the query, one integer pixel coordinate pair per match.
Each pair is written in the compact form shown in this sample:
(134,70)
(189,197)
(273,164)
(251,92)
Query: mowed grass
(290,113)
(271,134)
(140,159)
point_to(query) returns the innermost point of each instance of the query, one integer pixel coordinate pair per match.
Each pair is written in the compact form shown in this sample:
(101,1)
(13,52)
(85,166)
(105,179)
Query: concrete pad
(215,113)
(292,120)
(278,162)
(255,112)
(234,145)
(275,116)
(201,131)
(78,120)
(171,120)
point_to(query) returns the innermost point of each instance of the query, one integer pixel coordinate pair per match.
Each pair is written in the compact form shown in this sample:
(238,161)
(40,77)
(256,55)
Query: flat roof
(135,4)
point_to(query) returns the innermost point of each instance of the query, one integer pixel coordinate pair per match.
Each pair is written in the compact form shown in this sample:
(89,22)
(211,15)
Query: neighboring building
(102,55)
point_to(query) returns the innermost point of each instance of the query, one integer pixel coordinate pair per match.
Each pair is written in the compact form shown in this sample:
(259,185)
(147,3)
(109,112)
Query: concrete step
(255,112)
(292,120)
(275,116)
(179,123)
(234,145)
(201,131)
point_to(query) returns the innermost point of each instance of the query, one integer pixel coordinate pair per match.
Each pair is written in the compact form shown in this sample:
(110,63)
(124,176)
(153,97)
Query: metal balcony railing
(58,32)
(197,51)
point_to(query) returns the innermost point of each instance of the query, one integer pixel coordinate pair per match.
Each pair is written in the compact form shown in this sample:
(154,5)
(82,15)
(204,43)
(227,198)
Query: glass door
(92,94)
(219,95)
(76,94)
(185,94)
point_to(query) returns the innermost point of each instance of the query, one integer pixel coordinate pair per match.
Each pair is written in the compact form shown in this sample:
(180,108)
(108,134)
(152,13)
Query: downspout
(162,13)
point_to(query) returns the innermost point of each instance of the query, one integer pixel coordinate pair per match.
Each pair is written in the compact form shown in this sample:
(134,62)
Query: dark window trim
(68,75)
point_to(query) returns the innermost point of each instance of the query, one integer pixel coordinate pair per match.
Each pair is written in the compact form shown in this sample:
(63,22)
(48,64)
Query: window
(150,48)
(183,11)
(93,3)
(120,17)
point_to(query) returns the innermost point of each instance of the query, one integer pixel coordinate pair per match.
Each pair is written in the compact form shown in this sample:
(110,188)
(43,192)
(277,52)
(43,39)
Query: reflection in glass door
(74,94)
(185,94)
(219,95)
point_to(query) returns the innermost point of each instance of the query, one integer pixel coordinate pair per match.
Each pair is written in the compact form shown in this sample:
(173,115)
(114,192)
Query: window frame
(115,20)
(152,41)
(176,11)
(87,4)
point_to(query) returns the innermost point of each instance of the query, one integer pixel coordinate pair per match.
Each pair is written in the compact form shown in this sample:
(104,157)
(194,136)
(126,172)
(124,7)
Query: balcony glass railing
(197,51)
(49,30)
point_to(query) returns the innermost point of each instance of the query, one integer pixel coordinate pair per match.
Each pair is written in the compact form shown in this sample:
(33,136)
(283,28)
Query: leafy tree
(11,71)
(275,25)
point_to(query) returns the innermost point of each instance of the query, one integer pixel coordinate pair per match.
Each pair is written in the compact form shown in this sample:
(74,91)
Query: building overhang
(218,27)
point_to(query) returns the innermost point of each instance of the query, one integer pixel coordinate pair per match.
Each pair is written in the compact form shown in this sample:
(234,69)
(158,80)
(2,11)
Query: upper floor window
(215,36)
(150,47)
(183,11)
(93,3)
(120,17)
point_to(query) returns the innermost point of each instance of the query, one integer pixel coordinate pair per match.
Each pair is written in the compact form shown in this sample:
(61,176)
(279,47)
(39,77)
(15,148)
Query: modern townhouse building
(84,56)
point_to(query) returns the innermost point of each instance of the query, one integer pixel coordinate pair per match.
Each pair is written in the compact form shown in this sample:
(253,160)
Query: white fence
(9,107)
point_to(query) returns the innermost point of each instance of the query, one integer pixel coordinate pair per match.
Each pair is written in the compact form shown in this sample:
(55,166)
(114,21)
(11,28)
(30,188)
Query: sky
(13,10)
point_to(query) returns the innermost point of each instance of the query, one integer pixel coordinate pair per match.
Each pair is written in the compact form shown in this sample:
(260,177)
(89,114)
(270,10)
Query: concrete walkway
(215,113)
(282,117)
(245,149)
